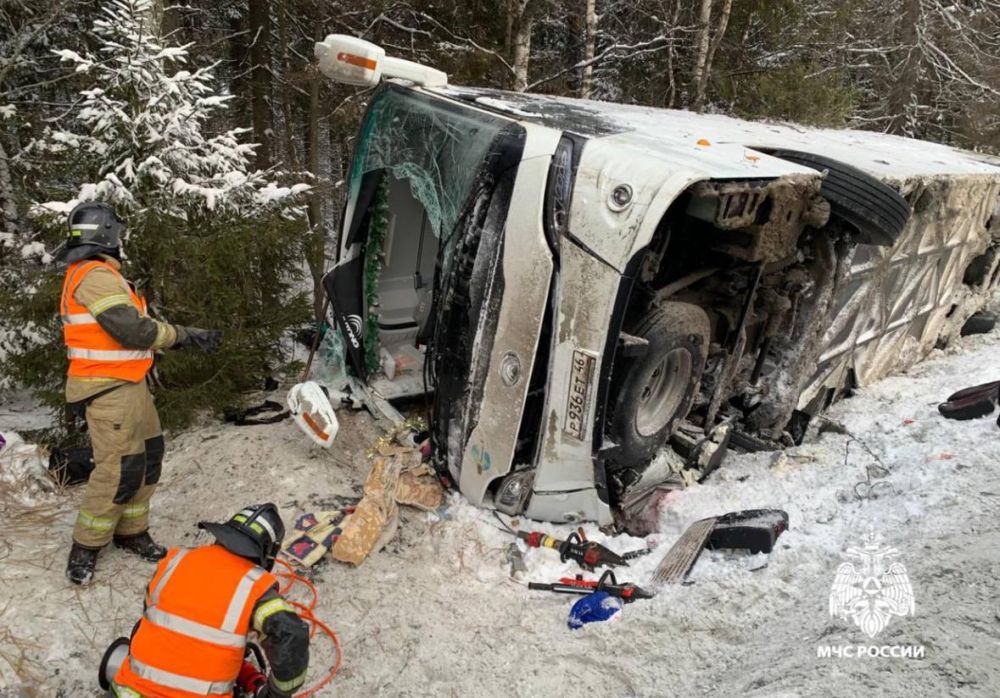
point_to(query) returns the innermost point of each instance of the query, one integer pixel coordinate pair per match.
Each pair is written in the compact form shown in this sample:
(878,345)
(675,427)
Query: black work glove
(206,340)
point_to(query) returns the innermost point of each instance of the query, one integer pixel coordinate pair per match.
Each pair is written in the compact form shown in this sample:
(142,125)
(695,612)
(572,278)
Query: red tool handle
(577,582)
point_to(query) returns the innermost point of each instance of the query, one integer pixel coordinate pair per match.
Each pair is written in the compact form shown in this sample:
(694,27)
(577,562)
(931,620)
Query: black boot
(82,561)
(142,545)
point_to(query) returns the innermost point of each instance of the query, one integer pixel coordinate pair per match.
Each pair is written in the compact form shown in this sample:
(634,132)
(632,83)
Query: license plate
(578,401)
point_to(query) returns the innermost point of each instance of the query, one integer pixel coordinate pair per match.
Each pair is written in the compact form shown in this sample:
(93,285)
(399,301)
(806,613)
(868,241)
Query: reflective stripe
(109,302)
(79,319)
(154,597)
(268,609)
(240,599)
(125,691)
(259,524)
(95,523)
(161,333)
(263,522)
(134,511)
(108,354)
(181,683)
(87,226)
(70,282)
(291,684)
(193,629)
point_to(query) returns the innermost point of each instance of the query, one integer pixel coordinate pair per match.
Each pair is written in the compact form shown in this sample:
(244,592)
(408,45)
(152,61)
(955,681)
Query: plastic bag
(594,608)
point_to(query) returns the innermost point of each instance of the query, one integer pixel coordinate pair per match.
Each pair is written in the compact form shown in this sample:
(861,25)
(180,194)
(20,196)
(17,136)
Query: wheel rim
(663,392)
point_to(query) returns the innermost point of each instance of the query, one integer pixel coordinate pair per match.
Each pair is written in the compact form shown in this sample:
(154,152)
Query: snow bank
(24,478)
(437,612)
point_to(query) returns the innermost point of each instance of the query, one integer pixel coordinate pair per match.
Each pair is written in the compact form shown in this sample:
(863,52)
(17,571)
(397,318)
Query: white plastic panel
(527,271)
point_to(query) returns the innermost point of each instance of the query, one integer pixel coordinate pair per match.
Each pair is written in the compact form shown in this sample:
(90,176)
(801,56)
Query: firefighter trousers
(128,452)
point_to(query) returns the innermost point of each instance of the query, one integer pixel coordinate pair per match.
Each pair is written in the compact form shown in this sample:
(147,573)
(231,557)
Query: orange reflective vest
(93,353)
(192,636)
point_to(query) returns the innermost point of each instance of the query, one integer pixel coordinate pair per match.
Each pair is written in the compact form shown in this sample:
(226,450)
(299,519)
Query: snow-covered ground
(436,613)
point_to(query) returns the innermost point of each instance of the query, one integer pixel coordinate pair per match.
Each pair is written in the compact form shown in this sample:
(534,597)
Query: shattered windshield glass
(438,148)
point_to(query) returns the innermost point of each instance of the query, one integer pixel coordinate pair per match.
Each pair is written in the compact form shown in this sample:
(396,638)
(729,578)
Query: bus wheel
(657,388)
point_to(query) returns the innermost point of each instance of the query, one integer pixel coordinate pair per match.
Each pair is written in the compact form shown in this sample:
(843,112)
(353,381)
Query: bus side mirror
(354,61)
(350,60)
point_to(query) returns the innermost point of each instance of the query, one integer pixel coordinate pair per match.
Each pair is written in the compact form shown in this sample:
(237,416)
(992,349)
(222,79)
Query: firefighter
(110,342)
(200,606)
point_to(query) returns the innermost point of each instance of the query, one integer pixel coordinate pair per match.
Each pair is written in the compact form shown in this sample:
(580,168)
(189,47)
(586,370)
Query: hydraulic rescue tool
(578,585)
(588,554)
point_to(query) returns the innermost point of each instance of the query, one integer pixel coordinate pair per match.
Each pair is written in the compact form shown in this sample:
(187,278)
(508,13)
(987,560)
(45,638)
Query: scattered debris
(418,487)
(680,559)
(376,516)
(243,417)
(318,532)
(641,507)
(312,411)
(515,559)
(397,477)
(971,403)
(632,554)
(754,530)
(24,471)
(71,466)
(979,322)
(873,484)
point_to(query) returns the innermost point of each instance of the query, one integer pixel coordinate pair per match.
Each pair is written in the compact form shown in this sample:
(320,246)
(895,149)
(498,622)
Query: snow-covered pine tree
(141,131)
(211,242)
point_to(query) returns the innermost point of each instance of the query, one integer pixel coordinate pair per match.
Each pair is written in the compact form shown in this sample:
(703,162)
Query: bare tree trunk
(727,8)
(164,19)
(590,19)
(699,78)
(672,56)
(905,84)
(259,15)
(8,199)
(154,18)
(523,23)
(284,147)
(337,147)
(508,41)
(316,133)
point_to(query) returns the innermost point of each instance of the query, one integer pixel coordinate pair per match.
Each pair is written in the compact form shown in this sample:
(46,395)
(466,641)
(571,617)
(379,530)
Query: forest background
(209,127)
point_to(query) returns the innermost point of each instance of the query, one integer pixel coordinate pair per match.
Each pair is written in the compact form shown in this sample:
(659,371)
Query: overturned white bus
(580,284)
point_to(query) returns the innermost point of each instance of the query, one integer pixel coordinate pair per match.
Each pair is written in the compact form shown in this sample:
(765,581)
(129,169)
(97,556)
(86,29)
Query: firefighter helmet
(255,532)
(92,227)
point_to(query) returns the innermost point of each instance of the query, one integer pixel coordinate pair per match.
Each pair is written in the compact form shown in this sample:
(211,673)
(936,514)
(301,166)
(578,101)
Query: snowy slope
(436,613)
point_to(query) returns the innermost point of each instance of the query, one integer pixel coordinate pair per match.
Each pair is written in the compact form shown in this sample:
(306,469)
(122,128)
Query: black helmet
(93,227)
(255,532)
